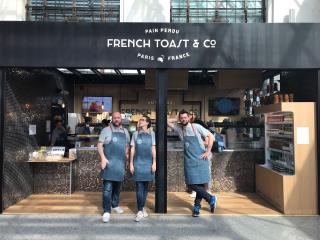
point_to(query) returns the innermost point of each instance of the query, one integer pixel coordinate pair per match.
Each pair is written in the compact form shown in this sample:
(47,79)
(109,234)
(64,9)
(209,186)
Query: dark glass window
(73,10)
(205,11)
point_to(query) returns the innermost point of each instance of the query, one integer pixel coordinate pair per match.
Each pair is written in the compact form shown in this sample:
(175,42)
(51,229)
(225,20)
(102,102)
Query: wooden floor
(178,203)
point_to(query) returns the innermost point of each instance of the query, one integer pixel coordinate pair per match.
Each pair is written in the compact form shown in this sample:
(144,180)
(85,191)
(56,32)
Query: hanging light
(63,105)
(102,104)
(87,113)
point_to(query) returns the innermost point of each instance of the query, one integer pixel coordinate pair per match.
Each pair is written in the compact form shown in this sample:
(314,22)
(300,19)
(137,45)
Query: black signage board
(160,45)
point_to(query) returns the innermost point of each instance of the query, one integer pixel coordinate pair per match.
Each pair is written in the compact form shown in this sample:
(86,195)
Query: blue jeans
(110,196)
(200,189)
(141,193)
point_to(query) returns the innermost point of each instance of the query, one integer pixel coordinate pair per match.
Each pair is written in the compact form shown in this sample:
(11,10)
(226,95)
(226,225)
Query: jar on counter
(291,96)
(286,97)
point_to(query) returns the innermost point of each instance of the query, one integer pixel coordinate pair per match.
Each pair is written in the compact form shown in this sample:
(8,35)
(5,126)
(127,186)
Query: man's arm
(210,144)
(103,159)
(127,154)
(102,139)
(206,134)
(171,123)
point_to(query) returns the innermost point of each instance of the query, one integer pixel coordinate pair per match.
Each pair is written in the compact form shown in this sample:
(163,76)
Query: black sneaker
(196,211)
(213,203)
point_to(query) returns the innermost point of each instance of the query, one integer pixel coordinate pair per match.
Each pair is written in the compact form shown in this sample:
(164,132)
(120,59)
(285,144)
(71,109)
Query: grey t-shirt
(135,136)
(199,131)
(106,134)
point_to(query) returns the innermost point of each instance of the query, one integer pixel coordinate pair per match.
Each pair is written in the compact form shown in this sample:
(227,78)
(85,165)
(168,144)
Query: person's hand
(153,168)
(205,156)
(131,169)
(104,163)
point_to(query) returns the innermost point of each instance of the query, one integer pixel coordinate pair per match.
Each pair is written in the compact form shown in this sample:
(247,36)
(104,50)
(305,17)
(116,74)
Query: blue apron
(196,170)
(115,152)
(143,158)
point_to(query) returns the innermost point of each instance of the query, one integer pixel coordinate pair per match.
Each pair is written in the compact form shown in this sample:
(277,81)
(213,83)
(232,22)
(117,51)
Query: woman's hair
(148,120)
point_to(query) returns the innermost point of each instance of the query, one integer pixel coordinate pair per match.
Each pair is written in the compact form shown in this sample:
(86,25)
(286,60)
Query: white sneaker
(106,217)
(145,214)
(139,216)
(118,210)
(193,194)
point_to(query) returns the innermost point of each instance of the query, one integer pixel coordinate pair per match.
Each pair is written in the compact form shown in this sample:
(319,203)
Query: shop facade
(162,47)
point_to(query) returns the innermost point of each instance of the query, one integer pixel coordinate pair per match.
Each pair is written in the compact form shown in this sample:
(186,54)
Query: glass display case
(86,141)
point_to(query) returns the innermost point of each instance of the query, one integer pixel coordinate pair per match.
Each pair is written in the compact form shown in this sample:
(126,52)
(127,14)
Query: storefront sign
(159,45)
(182,46)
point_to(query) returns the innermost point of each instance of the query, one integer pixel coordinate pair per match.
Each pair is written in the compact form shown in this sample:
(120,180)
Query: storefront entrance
(208,56)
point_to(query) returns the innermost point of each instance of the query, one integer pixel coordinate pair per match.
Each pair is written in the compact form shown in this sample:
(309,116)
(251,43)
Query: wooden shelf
(279,123)
(275,172)
(93,112)
(286,136)
(280,151)
(296,193)
(62,160)
(277,107)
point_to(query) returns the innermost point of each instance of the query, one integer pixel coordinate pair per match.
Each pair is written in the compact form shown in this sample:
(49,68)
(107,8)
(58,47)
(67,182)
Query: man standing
(113,148)
(196,155)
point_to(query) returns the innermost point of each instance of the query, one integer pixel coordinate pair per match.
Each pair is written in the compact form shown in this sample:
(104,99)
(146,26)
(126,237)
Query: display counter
(233,170)
(88,172)
(53,176)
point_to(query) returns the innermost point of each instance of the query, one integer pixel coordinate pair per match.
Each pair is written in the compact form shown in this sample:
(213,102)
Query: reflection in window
(204,11)
(73,10)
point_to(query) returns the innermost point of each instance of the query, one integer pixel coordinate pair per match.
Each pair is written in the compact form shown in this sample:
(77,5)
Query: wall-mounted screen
(224,106)
(96,104)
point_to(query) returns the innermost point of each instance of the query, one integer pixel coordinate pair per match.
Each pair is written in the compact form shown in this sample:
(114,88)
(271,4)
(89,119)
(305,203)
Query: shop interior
(264,122)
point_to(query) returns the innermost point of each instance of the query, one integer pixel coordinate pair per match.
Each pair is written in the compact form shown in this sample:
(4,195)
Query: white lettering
(126,43)
(209,43)
(172,44)
(116,43)
(164,43)
(109,42)
(169,30)
(157,42)
(145,56)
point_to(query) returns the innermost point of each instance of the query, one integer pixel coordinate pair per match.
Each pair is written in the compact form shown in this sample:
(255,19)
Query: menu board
(96,104)
(224,106)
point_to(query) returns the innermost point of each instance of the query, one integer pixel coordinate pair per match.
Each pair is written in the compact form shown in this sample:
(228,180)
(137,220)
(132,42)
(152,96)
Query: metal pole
(161,139)
(318,138)
(2,79)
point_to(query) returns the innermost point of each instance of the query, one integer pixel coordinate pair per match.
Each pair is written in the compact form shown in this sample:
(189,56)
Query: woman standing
(143,163)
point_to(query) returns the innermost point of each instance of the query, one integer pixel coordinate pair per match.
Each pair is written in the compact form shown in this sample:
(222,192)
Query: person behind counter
(143,163)
(85,129)
(105,123)
(59,135)
(196,164)
(113,148)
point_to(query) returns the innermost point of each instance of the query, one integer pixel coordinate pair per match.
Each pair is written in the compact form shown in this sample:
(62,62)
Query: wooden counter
(53,175)
(62,160)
